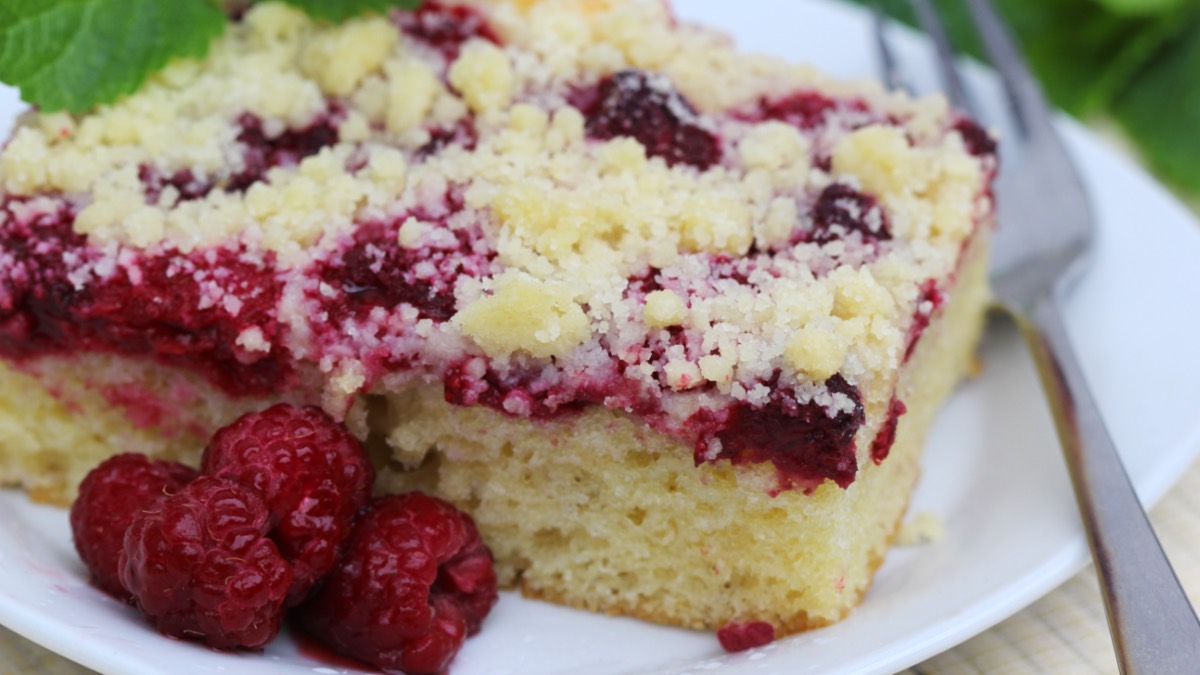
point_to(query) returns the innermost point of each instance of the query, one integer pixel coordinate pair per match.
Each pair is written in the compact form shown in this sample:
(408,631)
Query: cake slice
(669,320)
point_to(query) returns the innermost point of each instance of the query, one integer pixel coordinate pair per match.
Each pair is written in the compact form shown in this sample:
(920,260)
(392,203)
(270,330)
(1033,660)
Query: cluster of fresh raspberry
(280,516)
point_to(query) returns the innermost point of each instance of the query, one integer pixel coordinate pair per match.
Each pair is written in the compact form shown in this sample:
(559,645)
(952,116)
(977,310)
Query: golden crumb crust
(565,217)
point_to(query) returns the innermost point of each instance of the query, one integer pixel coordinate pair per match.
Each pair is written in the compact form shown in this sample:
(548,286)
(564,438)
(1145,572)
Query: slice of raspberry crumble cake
(668,320)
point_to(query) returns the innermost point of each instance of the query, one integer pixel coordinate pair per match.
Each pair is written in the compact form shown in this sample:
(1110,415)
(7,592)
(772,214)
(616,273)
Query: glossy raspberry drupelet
(414,582)
(313,475)
(200,565)
(110,497)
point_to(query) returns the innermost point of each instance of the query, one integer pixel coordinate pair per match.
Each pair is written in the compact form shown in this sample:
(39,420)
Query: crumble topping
(539,204)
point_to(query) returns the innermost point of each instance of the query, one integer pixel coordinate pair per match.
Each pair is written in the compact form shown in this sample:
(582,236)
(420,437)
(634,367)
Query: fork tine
(893,78)
(1025,98)
(933,26)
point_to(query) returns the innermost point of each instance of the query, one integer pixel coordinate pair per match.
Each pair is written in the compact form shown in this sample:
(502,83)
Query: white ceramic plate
(992,469)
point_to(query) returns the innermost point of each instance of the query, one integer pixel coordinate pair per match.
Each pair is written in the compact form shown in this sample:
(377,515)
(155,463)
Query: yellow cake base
(599,512)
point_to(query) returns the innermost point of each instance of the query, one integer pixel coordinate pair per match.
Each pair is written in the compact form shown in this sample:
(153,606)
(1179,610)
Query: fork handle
(1155,630)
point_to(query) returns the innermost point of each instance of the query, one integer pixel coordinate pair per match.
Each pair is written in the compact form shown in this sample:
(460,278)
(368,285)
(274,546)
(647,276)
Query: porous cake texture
(668,319)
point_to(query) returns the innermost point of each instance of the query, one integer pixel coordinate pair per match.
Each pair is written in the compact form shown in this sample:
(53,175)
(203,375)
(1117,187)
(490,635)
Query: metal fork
(1042,246)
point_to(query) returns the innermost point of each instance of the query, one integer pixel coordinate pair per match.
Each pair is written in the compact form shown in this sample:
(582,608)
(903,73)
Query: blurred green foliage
(1134,61)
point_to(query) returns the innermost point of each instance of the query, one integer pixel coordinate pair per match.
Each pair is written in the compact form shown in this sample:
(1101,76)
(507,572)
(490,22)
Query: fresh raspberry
(313,475)
(415,580)
(110,497)
(200,565)
(647,107)
(740,636)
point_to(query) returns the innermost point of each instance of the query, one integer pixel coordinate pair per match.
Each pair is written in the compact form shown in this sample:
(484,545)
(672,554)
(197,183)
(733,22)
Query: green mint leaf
(1082,53)
(1143,7)
(1160,110)
(340,10)
(75,54)
(1084,56)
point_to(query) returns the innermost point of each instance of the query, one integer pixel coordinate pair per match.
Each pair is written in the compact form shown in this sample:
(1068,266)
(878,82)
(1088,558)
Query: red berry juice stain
(886,436)
(314,650)
(928,302)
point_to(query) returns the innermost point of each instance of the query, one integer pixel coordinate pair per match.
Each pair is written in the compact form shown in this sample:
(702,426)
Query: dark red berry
(803,109)
(804,441)
(647,107)
(263,153)
(446,27)
(808,109)
(376,271)
(313,475)
(415,581)
(200,565)
(840,210)
(185,182)
(110,497)
(977,140)
(738,637)
(463,134)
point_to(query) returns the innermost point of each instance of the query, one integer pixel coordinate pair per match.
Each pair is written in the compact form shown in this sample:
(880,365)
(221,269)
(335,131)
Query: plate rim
(43,629)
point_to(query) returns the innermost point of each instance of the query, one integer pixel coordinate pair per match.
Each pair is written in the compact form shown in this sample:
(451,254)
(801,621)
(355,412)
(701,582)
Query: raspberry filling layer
(211,312)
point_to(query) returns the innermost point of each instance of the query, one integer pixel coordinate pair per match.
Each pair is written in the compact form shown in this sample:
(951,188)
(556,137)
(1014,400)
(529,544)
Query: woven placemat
(1063,633)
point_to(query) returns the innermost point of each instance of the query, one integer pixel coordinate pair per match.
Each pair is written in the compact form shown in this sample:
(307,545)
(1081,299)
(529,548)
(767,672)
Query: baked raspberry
(840,210)
(110,497)
(806,443)
(976,139)
(313,475)
(806,109)
(200,565)
(415,580)
(264,153)
(647,107)
(185,182)
(375,271)
(445,27)
(740,636)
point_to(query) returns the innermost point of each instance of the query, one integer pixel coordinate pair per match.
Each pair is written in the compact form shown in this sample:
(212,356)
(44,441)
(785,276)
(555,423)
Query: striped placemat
(1063,633)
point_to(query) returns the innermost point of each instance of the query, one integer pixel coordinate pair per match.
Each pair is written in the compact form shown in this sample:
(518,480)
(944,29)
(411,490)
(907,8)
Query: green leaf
(75,54)
(1160,109)
(1081,53)
(340,10)
(1143,7)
